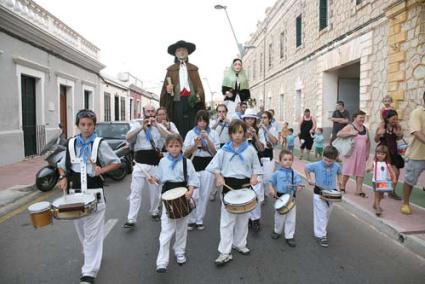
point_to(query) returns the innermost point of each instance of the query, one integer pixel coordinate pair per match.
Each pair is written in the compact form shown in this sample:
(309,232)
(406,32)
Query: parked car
(115,133)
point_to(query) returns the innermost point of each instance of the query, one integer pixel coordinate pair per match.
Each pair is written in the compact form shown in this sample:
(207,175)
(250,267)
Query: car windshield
(114,131)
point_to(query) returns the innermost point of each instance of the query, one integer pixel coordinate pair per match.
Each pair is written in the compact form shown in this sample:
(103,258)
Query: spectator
(275,123)
(290,140)
(387,134)
(307,127)
(415,153)
(318,143)
(283,134)
(355,164)
(340,118)
(387,101)
(260,112)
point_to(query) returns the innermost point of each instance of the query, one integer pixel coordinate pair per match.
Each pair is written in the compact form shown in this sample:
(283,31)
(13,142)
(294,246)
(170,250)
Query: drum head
(85,198)
(331,192)
(174,193)
(39,207)
(239,196)
(282,201)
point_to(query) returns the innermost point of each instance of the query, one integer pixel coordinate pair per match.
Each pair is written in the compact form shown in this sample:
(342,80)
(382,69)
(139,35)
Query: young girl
(235,165)
(386,101)
(174,171)
(382,172)
(91,157)
(201,144)
(284,134)
(250,118)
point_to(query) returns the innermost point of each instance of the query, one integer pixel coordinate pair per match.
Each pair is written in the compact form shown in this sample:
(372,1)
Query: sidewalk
(408,229)
(17,182)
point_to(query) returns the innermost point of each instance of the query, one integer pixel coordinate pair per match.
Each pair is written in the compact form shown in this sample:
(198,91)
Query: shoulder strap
(185,170)
(95,149)
(68,157)
(152,142)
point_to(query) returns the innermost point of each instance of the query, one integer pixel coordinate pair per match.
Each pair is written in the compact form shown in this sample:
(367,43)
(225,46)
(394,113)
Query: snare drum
(74,206)
(384,186)
(40,214)
(240,201)
(331,195)
(284,204)
(176,203)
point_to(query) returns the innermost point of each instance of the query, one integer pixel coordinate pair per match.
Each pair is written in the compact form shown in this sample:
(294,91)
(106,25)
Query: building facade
(48,72)
(309,54)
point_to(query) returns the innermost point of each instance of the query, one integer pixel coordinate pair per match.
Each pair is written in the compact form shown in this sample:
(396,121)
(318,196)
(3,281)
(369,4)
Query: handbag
(344,146)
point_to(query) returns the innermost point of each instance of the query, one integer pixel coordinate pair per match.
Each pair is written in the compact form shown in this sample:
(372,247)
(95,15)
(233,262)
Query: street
(357,253)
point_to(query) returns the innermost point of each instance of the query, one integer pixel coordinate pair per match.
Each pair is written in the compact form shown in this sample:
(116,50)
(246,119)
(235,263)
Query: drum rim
(86,204)
(240,204)
(47,203)
(280,199)
(174,189)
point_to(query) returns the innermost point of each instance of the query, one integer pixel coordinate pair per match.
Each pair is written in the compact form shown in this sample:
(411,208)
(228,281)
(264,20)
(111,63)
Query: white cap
(250,112)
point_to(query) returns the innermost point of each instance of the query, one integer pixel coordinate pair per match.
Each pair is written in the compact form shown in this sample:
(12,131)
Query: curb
(32,193)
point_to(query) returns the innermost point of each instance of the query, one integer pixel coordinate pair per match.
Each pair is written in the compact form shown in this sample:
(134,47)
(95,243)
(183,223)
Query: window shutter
(299,31)
(323,14)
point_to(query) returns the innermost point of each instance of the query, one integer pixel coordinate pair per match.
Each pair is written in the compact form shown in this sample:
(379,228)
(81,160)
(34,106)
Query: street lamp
(242,48)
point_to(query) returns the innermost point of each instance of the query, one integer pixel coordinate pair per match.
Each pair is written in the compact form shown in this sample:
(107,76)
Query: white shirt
(189,141)
(264,137)
(382,172)
(164,172)
(141,142)
(235,167)
(183,77)
(222,131)
(173,129)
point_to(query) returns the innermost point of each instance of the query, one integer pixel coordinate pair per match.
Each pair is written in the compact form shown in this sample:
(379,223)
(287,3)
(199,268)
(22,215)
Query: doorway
(63,110)
(29,119)
(117,108)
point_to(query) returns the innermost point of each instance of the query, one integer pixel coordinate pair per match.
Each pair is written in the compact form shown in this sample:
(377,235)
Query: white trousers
(90,233)
(138,182)
(201,196)
(169,227)
(286,221)
(259,191)
(233,230)
(322,211)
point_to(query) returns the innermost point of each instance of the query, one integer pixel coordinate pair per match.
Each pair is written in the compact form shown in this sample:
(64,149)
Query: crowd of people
(180,146)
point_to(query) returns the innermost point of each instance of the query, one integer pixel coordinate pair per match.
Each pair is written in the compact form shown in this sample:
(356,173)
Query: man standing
(182,93)
(340,118)
(415,154)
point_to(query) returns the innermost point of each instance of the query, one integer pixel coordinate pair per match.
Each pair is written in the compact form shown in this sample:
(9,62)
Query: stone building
(309,54)
(48,71)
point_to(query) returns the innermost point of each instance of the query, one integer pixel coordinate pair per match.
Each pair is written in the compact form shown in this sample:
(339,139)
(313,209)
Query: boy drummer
(87,155)
(235,165)
(174,171)
(326,173)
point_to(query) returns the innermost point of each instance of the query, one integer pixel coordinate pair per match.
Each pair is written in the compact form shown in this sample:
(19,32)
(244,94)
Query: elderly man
(182,93)
(340,118)
(415,153)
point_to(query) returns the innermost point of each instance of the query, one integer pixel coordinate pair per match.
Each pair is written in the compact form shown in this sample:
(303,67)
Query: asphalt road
(357,253)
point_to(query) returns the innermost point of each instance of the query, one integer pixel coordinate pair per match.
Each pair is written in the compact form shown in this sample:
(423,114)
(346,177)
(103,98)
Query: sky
(133,35)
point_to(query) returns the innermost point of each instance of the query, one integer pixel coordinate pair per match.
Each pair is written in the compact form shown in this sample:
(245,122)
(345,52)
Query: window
(122,108)
(298,27)
(87,95)
(131,109)
(107,107)
(358,2)
(271,54)
(282,45)
(116,108)
(323,14)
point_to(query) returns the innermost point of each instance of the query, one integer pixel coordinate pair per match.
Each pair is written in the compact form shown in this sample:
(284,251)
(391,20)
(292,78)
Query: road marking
(108,227)
(24,207)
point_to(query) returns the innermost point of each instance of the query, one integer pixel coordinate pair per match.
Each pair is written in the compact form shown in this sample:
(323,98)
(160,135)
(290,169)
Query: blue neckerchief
(291,172)
(228,147)
(85,150)
(174,161)
(197,131)
(223,125)
(148,134)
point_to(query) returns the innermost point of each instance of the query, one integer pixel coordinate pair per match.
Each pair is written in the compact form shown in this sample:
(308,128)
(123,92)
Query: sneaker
(324,242)
(256,226)
(222,259)
(191,226)
(86,279)
(200,227)
(275,236)
(156,217)
(291,242)
(394,196)
(243,251)
(405,209)
(181,259)
(161,268)
(129,225)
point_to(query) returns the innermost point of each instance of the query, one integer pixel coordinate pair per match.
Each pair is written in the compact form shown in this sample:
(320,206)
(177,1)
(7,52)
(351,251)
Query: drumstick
(93,164)
(228,187)
(147,174)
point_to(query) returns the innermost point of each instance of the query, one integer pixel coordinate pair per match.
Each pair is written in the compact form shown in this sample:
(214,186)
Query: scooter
(54,151)
(123,152)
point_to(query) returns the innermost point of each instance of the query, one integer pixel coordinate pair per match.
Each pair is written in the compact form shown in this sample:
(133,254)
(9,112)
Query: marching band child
(201,144)
(221,126)
(326,173)
(382,172)
(235,165)
(174,171)
(94,159)
(285,181)
(145,137)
